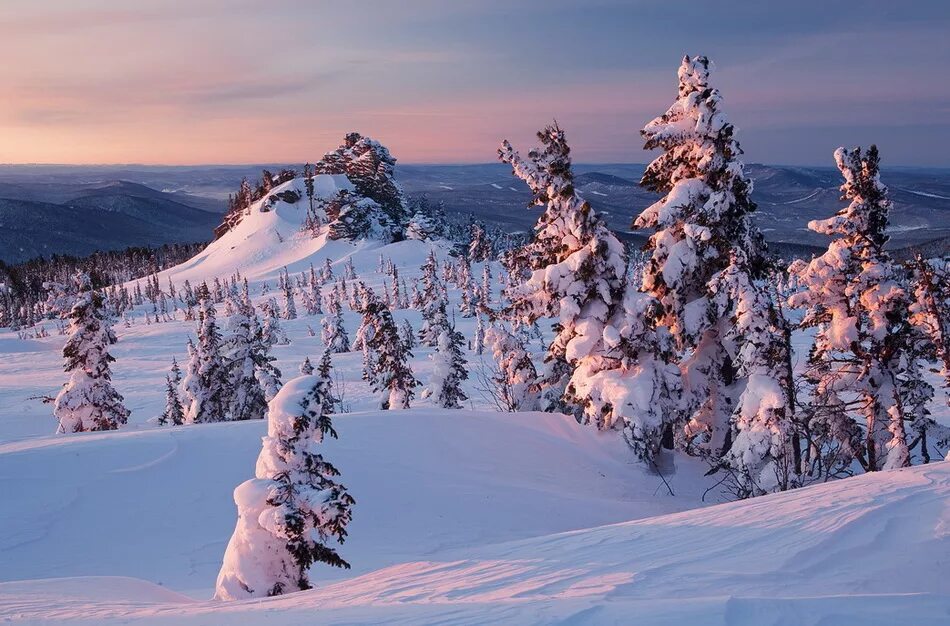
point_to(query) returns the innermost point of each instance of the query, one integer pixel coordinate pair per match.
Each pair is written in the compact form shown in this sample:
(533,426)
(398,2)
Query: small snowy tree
(294,506)
(387,357)
(88,401)
(306,368)
(864,341)
(334,333)
(515,385)
(174,412)
(290,305)
(448,371)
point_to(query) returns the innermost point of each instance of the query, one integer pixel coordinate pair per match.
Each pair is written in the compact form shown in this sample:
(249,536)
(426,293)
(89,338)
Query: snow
(465,516)
(868,550)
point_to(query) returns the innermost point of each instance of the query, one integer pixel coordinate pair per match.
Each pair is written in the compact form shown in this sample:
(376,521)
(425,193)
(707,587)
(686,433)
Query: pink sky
(214,81)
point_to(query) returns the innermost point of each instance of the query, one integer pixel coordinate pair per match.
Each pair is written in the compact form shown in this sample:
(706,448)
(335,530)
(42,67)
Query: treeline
(25,287)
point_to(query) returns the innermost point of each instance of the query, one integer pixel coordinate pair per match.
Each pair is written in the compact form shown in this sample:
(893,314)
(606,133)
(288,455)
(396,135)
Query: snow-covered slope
(453,519)
(266,241)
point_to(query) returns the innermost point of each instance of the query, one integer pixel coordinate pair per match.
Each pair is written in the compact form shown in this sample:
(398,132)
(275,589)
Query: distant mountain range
(78,209)
(44,219)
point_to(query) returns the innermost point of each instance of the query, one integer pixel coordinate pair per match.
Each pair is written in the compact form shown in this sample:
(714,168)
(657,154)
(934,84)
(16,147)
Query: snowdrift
(476,496)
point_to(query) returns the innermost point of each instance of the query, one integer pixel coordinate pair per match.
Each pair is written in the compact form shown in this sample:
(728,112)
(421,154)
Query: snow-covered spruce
(704,272)
(631,383)
(448,371)
(207,384)
(334,332)
(930,311)
(386,358)
(864,341)
(514,384)
(174,413)
(294,506)
(253,377)
(577,265)
(88,401)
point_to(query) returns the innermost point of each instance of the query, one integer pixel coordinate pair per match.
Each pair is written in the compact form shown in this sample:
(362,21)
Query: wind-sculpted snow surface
(869,550)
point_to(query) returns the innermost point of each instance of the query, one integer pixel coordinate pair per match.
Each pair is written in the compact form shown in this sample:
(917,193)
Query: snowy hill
(461,517)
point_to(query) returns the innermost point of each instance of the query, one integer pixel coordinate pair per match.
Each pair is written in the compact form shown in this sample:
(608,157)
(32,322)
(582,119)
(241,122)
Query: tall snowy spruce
(705,273)
(88,401)
(576,265)
(293,509)
(386,357)
(864,341)
(207,384)
(247,358)
(448,371)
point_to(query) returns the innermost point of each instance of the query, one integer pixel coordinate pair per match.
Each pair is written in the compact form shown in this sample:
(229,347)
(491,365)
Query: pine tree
(88,401)
(245,353)
(294,506)
(270,326)
(388,357)
(515,383)
(435,321)
(334,333)
(407,335)
(479,249)
(930,311)
(577,264)
(290,305)
(207,382)
(306,368)
(174,412)
(704,272)
(448,371)
(864,342)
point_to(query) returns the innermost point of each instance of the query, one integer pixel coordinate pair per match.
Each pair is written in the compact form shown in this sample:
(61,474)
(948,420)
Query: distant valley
(48,210)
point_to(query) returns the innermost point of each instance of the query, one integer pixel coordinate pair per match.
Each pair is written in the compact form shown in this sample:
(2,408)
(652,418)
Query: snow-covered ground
(468,516)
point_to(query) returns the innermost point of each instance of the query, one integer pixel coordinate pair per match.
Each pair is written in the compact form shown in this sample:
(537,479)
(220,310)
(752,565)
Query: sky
(444,81)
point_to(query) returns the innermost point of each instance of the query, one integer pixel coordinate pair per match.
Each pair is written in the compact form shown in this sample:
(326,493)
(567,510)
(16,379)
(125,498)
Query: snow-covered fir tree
(388,357)
(407,335)
(852,295)
(306,368)
(88,401)
(174,412)
(515,384)
(479,248)
(448,371)
(270,325)
(253,377)
(704,272)
(290,304)
(207,383)
(334,333)
(435,321)
(294,507)
(930,311)
(577,265)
